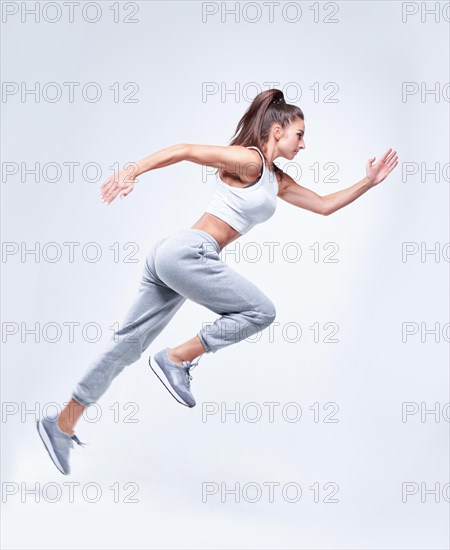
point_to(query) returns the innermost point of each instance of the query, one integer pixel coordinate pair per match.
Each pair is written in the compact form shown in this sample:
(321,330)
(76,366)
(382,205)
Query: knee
(267,312)
(127,343)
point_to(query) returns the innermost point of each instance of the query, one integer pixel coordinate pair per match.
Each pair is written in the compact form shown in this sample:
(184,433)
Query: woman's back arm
(234,159)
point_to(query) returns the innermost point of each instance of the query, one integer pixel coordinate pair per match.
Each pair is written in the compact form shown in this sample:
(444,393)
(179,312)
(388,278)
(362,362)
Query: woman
(186,264)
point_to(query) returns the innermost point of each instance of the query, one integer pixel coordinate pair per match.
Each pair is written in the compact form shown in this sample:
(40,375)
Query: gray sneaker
(176,378)
(57,442)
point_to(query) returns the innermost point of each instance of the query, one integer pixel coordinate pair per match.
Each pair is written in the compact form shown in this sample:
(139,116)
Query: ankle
(64,428)
(175,358)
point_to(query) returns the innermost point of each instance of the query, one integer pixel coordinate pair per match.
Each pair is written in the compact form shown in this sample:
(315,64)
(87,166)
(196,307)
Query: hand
(380,171)
(121,182)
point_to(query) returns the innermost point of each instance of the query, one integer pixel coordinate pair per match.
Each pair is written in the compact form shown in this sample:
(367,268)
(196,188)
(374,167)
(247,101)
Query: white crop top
(244,207)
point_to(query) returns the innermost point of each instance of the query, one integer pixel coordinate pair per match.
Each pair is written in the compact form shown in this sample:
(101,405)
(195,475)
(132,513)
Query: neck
(269,153)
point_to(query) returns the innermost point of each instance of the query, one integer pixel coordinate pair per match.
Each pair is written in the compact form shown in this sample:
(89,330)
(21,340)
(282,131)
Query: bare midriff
(220,230)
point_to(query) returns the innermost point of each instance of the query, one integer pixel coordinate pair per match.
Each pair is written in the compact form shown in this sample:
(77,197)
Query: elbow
(182,151)
(325,209)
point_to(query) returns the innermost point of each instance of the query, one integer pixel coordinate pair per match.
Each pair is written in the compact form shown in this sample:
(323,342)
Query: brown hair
(267,108)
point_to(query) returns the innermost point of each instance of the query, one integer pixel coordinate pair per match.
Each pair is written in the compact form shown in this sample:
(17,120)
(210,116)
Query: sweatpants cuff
(81,401)
(204,342)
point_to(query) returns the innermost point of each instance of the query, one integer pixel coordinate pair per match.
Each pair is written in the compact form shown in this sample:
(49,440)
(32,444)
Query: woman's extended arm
(292,192)
(165,157)
(123,181)
(342,198)
(231,158)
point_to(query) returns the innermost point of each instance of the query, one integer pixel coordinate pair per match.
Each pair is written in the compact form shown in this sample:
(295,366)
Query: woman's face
(291,139)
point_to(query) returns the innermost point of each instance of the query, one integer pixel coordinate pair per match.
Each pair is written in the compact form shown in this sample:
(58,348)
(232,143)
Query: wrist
(132,170)
(367,182)
(139,169)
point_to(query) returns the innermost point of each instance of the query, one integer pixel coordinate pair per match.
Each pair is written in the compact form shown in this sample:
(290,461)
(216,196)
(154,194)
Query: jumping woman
(186,264)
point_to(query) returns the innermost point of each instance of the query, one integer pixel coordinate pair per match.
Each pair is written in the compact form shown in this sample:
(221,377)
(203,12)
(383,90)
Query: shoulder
(284,180)
(257,156)
(278,173)
(247,169)
(218,156)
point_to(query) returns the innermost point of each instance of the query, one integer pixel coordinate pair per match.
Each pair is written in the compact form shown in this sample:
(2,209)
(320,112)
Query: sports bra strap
(253,147)
(262,158)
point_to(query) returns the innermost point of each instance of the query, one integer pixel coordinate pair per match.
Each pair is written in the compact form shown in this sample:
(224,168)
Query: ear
(277,131)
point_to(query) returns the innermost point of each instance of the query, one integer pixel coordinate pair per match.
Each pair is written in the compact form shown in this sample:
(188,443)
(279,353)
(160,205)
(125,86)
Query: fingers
(109,194)
(107,183)
(114,191)
(384,157)
(390,158)
(106,193)
(391,161)
(105,188)
(109,190)
(393,165)
(390,165)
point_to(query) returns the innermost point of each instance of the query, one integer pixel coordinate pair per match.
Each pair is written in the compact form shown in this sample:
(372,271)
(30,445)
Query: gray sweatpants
(184,265)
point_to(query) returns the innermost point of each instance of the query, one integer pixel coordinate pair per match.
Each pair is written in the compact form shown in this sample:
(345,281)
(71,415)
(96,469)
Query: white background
(360,62)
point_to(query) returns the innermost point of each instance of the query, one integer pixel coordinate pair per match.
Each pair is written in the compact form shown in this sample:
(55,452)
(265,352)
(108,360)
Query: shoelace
(77,441)
(190,366)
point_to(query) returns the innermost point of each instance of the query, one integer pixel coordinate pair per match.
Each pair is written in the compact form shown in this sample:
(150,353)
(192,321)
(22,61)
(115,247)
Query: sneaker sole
(48,445)
(163,378)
